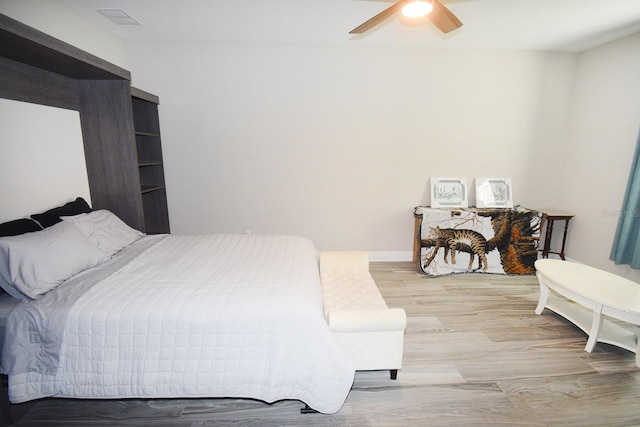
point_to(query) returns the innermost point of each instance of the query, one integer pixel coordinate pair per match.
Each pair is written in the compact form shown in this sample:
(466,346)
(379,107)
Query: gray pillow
(105,230)
(35,263)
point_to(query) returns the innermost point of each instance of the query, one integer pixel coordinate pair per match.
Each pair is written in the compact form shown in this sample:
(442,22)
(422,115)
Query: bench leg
(596,323)
(307,410)
(394,374)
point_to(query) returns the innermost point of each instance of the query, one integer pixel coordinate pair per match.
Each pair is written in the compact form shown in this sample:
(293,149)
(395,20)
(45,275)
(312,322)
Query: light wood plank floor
(475,354)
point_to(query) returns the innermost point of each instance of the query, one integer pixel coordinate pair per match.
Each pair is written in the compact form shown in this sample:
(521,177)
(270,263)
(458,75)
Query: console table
(488,240)
(596,293)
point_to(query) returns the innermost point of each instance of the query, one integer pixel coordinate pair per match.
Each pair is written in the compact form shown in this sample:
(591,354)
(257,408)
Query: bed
(166,316)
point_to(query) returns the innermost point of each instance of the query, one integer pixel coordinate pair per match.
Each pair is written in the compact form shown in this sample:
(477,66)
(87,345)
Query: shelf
(149,188)
(147,134)
(149,149)
(150,165)
(145,96)
(611,332)
(155,212)
(145,117)
(27,45)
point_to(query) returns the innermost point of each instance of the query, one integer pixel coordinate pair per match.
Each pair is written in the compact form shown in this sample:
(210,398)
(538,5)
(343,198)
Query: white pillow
(34,263)
(105,230)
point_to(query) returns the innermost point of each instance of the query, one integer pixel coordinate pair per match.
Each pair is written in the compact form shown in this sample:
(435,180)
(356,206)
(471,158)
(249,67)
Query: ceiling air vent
(119,16)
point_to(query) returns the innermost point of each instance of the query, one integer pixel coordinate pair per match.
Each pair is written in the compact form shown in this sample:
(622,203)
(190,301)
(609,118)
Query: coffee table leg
(596,322)
(544,296)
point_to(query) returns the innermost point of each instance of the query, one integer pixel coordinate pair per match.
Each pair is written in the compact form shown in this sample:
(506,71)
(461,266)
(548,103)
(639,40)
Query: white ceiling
(555,25)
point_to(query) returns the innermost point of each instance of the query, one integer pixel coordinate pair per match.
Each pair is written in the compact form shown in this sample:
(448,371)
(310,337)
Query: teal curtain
(626,243)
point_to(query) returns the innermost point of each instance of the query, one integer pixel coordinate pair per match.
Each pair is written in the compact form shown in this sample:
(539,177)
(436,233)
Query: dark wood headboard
(38,68)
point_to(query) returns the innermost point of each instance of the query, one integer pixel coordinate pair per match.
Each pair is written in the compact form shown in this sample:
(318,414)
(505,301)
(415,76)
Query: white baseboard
(391,256)
(407,256)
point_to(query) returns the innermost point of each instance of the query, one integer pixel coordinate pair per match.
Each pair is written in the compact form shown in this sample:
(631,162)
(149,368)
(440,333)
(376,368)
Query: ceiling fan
(441,17)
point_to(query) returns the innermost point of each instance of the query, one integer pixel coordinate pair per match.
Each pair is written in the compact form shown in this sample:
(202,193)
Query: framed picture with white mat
(494,193)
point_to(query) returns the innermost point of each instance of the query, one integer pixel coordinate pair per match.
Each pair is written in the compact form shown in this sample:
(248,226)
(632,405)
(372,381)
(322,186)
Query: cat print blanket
(499,241)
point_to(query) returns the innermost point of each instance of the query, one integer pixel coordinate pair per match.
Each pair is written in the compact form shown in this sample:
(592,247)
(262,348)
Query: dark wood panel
(110,148)
(149,148)
(145,116)
(24,44)
(38,68)
(22,82)
(146,96)
(152,175)
(156,211)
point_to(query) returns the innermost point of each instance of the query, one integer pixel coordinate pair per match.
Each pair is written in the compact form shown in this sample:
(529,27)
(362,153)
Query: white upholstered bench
(597,293)
(371,333)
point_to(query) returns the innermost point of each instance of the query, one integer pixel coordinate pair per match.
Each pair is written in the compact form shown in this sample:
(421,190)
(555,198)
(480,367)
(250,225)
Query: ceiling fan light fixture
(417,9)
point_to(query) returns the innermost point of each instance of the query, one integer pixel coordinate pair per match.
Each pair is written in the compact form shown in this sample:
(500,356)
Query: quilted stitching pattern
(358,316)
(205,316)
(350,290)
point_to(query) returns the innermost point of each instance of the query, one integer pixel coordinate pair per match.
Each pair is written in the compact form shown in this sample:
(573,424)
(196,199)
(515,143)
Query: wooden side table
(549,219)
(416,237)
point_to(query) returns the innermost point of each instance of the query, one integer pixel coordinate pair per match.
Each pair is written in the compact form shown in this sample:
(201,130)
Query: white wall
(338,144)
(602,133)
(32,135)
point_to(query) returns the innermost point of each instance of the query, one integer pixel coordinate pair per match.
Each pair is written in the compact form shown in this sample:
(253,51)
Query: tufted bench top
(361,323)
(350,290)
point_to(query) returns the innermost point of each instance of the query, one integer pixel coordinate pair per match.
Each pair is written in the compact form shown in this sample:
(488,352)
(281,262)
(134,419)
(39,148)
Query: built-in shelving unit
(120,125)
(150,165)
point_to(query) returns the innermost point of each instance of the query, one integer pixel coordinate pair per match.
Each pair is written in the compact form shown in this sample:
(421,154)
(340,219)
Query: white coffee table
(597,293)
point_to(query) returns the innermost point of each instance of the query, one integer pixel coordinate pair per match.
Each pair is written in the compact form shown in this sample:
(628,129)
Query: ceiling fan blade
(377,19)
(443,18)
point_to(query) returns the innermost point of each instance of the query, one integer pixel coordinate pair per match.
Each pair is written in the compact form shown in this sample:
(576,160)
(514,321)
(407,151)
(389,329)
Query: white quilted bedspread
(202,316)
